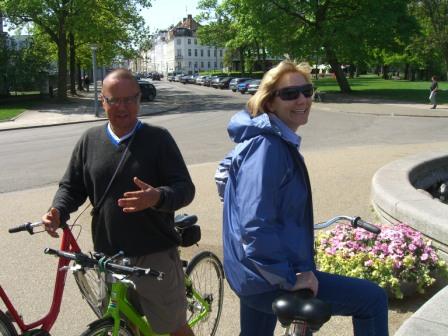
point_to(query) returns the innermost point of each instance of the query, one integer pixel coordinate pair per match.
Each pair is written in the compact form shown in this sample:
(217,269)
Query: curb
(77,121)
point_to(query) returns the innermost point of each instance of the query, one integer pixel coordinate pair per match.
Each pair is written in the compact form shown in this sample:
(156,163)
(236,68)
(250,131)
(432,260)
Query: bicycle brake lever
(122,278)
(70,268)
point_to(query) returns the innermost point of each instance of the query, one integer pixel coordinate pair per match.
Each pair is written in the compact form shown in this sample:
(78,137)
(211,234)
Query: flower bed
(399,255)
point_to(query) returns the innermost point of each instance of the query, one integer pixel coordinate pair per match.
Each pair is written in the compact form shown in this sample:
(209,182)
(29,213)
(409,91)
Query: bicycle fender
(100,321)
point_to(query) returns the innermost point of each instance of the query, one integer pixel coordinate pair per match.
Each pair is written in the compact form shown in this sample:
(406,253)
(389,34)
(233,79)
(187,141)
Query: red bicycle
(89,282)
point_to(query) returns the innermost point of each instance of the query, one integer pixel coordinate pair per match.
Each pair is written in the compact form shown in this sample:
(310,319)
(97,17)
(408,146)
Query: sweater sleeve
(72,192)
(177,187)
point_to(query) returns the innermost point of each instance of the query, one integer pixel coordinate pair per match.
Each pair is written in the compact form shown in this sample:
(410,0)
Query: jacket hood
(242,126)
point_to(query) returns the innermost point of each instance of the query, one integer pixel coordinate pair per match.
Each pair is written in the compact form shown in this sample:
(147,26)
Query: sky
(163,13)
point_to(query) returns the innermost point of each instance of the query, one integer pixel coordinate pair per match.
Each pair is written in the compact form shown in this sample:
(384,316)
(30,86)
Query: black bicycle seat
(301,306)
(184,221)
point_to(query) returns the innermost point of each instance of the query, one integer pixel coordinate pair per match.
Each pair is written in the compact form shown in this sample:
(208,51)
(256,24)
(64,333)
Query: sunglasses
(111,101)
(293,92)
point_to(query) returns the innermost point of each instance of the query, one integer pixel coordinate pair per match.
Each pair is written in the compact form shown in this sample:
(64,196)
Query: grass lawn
(10,110)
(374,87)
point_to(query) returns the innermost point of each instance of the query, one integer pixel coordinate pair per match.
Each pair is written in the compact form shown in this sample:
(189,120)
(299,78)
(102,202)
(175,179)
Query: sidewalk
(80,109)
(77,109)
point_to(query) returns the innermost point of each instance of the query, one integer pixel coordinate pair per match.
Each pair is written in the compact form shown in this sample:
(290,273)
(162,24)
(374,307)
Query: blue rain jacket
(268,217)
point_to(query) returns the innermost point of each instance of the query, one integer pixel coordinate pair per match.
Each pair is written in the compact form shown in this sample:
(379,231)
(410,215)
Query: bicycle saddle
(184,221)
(301,306)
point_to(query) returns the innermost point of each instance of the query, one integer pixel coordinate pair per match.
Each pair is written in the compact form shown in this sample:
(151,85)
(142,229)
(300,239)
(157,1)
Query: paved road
(343,150)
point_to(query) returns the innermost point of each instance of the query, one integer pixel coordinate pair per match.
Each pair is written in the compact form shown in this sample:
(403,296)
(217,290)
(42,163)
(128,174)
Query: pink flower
(368,263)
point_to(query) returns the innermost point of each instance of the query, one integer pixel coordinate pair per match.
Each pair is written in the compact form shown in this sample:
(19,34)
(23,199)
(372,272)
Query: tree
(345,29)
(224,28)
(59,18)
(433,14)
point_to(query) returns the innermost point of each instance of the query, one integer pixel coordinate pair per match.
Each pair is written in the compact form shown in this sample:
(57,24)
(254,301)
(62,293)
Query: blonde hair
(257,103)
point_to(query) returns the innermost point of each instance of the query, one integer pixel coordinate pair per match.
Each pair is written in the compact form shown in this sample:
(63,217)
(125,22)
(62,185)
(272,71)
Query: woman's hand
(306,280)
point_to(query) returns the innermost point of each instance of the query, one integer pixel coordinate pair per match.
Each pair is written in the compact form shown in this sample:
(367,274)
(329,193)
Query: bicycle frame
(120,306)
(69,244)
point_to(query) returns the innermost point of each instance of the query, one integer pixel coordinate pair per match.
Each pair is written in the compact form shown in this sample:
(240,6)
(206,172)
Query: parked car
(192,79)
(214,82)
(155,76)
(200,80)
(148,90)
(234,83)
(253,86)
(178,77)
(208,80)
(242,87)
(224,82)
(184,79)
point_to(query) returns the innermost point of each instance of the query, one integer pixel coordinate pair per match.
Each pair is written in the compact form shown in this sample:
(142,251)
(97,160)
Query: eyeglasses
(111,101)
(293,92)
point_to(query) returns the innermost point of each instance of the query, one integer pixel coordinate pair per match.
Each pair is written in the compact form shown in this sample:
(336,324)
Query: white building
(178,49)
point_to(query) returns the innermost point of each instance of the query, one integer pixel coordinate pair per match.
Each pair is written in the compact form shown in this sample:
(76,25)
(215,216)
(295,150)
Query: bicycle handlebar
(25,227)
(86,261)
(354,221)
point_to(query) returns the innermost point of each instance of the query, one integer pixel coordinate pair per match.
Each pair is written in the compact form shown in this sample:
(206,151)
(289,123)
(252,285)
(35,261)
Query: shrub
(396,256)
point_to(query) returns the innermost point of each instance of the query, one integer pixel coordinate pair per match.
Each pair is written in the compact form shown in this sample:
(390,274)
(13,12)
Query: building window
(195,52)
(179,65)
(216,64)
(202,52)
(189,52)
(220,52)
(189,65)
(189,41)
(221,65)
(214,54)
(178,41)
(202,65)
(208,65)
(208,52)
(179,52)
(195,41)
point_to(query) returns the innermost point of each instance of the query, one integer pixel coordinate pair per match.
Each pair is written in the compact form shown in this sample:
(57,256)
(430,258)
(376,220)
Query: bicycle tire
(105,328)
(6,326)
(93,289)
(207,278)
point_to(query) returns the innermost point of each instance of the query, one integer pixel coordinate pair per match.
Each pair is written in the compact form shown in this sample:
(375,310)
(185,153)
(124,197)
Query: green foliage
(23,66)
(115,25)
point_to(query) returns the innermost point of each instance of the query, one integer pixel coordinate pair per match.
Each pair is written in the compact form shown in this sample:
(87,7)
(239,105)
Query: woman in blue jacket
(268,213)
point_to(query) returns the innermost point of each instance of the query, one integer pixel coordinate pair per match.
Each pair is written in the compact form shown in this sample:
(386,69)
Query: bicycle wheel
(6,326)
(207,280)
(105,328)
(93,288)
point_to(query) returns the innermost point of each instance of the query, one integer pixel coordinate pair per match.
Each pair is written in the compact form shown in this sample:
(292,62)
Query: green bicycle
(204,282)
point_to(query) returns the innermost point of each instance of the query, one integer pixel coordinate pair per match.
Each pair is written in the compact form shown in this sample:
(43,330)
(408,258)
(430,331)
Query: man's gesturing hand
(139,200)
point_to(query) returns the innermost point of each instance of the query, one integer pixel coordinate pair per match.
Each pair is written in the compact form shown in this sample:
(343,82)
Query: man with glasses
(135,177)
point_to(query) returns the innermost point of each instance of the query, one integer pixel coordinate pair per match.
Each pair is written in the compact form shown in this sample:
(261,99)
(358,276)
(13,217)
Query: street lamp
(94,48)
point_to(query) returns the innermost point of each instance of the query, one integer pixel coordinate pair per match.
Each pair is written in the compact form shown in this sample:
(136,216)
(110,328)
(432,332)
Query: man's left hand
(139,200)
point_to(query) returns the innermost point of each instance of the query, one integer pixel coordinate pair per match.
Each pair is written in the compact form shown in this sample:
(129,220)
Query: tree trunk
(406,71)
(385,72)
(336,66)
(62,61)
(242,60)
(72,64)
(78,77)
